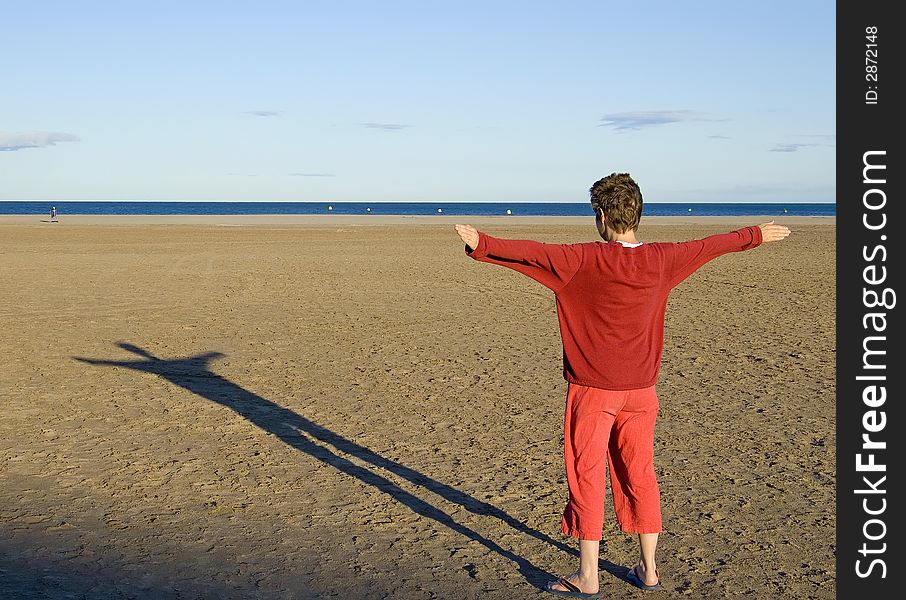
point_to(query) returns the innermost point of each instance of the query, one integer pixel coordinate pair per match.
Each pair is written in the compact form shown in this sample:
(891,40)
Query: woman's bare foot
(643,577)
(587,585)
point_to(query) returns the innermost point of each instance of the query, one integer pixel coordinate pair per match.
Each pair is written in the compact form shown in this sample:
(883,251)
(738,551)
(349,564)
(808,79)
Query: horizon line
(432,202)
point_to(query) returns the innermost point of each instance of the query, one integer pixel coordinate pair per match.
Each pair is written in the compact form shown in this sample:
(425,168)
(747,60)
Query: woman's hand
(773,233)
(468,234)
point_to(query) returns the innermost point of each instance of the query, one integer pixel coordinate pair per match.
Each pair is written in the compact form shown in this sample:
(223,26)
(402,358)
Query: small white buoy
(368,209)
(509,212)
(440,210)
(690,210)
(329,207)
(784,210)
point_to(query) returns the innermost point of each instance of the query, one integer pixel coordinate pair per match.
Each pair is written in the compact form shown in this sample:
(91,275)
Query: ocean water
(551,209)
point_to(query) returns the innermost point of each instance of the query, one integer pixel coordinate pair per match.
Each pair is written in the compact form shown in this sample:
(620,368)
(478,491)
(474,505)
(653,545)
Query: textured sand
(312,407)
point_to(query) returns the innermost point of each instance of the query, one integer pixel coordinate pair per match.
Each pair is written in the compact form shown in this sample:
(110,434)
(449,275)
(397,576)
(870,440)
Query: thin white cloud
(824,140)
(263,113)
(11,142)
(791,147)
(385,126)
(626,121)
(311,175)
(719,137)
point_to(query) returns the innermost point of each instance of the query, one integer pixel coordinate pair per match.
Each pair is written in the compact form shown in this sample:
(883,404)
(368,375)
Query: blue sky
(417,101)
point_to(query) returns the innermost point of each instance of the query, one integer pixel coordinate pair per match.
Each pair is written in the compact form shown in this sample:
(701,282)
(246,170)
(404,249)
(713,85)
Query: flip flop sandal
(634,579)
(571,591)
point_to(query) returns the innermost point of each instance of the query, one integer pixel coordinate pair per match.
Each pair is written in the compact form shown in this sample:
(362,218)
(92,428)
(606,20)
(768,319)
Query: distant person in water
(611,302)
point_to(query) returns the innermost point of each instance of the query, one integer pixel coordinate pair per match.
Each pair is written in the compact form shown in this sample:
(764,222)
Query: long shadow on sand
(194,374)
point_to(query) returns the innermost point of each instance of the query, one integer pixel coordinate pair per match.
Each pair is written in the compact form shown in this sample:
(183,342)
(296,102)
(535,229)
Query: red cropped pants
(610,428)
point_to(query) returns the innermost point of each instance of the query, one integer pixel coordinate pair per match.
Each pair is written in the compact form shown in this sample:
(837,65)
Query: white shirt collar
(628,245)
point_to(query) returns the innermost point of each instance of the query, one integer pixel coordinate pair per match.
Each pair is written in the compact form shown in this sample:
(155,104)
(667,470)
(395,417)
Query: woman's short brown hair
(620,199)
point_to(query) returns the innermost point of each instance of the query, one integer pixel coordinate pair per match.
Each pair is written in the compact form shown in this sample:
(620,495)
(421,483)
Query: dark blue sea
(547,209)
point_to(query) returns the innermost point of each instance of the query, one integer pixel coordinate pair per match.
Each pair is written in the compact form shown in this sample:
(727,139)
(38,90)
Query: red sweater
(611,299)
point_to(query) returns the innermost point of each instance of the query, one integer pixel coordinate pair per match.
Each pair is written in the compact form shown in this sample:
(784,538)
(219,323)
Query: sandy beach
(293,407)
